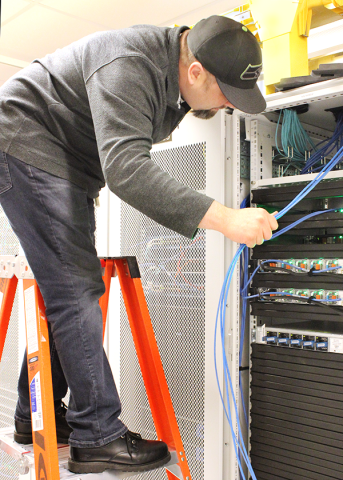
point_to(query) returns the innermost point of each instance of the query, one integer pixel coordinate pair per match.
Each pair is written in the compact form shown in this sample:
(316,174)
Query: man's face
(209,100)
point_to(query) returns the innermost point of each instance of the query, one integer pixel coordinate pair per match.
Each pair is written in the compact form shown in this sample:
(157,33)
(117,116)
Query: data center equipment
(227,158)
(308,260)
(295,289)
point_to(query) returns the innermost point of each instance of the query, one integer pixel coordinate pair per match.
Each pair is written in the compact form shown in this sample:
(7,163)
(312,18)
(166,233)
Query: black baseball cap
(229,51)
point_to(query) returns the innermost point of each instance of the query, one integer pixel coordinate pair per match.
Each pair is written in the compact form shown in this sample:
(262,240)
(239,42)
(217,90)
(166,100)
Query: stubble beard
(204,114)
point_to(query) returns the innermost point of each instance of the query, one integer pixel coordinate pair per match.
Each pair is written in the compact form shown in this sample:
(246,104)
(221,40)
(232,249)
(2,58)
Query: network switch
(298,339)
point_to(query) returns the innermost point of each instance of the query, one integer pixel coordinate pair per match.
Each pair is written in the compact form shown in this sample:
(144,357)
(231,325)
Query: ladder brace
(46,460)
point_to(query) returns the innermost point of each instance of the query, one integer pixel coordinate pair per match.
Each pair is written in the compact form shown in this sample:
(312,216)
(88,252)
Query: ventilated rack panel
(296,414)
(173,277)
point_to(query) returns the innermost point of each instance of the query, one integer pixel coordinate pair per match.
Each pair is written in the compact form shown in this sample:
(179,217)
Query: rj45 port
(308,342)
(296,340)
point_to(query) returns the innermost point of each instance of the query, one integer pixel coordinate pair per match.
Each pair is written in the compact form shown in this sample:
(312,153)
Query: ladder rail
(39,365)
(8,287)
(149,358)
(38,358)
(40,384)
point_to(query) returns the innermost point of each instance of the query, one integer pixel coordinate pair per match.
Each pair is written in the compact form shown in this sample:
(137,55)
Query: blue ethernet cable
(244,258)
(289,227)
(244,264)
(239,442)
(226,405)
(330,165)
(271,260)
(310,215)
(326,270)
(335,142)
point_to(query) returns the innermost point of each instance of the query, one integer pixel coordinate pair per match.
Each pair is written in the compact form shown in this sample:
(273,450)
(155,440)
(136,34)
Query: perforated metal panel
(296,413)
(173,276)
(9,365)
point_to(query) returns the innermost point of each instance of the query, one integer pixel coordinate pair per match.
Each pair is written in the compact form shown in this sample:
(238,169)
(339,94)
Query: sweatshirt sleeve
(124,97)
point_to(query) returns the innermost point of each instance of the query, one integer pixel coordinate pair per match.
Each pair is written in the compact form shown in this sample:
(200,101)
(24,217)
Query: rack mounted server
(296,307)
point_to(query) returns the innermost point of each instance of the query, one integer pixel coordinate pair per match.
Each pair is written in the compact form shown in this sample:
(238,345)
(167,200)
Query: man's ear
(195,72)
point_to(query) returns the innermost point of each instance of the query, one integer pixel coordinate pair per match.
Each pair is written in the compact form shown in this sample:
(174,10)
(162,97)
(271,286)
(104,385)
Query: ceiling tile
(119,14)
(12,7)
(191,16)
(39,31)
(33,28)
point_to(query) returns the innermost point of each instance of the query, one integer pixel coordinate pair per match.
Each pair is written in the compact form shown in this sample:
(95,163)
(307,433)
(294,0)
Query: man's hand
(249,225)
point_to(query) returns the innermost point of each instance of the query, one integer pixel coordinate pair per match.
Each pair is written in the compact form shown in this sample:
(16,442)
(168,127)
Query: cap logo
(252,72)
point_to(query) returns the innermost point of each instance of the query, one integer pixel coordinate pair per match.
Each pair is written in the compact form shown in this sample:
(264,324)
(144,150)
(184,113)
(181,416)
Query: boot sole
(99,467)
(23,438)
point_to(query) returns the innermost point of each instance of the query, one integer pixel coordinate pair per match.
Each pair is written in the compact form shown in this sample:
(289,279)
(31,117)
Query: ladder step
(24,455)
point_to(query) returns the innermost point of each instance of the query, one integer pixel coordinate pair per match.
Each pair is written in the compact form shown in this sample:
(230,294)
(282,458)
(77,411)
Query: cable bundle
(244,261)
(238,441)
(314,163)
(295,142)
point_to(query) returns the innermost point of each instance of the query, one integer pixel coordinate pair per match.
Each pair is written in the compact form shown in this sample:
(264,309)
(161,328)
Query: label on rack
(36,403)
(31,320)
(335,345)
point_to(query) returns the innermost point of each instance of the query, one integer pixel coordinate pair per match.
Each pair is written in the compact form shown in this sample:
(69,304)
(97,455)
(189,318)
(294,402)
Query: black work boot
(23,431)
(128,453)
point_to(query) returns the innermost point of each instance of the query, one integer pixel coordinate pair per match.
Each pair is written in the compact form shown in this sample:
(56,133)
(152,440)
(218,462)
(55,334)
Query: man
(87,114)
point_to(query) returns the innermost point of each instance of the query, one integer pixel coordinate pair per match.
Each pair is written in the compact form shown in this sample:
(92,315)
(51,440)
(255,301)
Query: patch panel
(281,295)
(335,264)
(297,339)
(302,293)
(290,295)
(287,264)
(318,294)
(289,292)
(303,265)
(317,264)
(283,266)
(334,295)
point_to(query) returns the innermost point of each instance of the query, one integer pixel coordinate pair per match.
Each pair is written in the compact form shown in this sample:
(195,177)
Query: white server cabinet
(182,280)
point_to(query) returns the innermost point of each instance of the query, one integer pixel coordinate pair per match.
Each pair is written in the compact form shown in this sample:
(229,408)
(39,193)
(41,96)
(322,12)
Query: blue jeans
(54,222)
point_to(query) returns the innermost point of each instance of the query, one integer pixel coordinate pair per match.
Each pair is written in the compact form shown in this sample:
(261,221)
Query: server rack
(236,156)
(296,317)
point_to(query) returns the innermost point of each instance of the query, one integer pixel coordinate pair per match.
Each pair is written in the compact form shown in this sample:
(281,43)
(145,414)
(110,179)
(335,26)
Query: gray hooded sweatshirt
(90,112)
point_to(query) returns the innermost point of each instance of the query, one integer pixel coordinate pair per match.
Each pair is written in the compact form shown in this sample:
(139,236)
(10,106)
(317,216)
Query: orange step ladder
(13,268)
